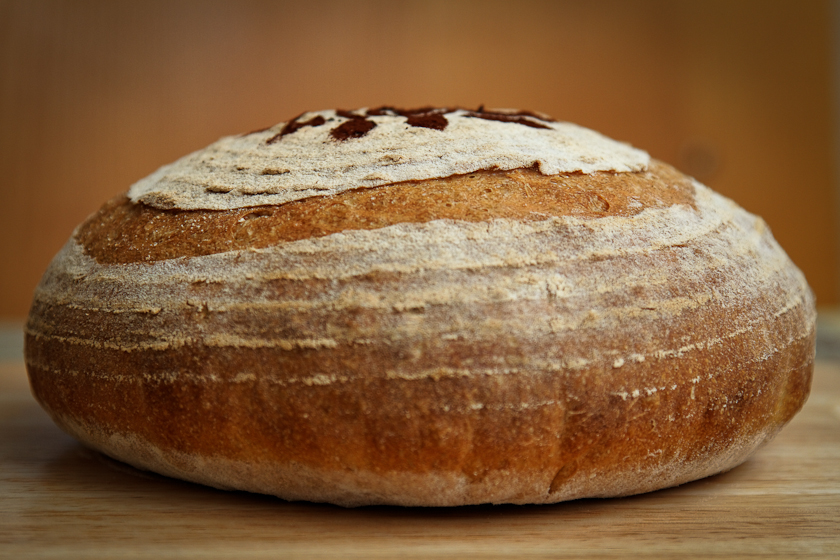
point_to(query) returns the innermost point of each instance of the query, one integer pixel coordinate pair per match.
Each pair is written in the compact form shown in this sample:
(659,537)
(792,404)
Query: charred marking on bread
(434,121)
(294,125)
(521,117)
(425,117)
(355,127)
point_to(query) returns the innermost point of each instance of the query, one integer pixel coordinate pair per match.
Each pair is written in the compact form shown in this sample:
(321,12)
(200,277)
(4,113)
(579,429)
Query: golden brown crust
(426,355)
(122,232)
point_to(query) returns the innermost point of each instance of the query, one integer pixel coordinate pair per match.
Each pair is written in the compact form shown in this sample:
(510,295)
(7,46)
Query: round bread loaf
(433,307)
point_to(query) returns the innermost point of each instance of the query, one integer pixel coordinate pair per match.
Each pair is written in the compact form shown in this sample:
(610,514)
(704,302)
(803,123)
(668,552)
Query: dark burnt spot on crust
(431,117)
(424,117)
(520,117)
(435,121)
(387,110)
(355,127)
(358,125)
(294,125)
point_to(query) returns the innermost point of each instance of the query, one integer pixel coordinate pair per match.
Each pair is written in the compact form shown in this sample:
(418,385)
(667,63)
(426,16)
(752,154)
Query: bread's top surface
(330,152)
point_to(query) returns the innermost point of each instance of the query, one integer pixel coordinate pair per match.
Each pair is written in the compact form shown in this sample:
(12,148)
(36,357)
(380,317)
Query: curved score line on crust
(149,234)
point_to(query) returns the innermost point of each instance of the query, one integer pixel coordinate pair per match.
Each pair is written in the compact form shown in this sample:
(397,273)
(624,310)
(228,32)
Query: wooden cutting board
(58,499)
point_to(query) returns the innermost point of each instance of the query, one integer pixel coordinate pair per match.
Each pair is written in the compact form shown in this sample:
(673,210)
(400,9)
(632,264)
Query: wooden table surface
(60,500)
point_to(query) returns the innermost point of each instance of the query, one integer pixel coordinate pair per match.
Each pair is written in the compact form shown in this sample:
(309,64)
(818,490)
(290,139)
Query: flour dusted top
(328,152)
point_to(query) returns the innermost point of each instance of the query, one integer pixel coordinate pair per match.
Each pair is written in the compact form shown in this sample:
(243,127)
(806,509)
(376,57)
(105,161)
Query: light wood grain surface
(60,500)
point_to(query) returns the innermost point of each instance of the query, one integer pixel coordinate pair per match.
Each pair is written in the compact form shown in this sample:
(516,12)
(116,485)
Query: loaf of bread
(432,307)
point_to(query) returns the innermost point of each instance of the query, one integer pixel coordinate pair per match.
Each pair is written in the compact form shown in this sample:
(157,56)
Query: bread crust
(637,334)
(123,232)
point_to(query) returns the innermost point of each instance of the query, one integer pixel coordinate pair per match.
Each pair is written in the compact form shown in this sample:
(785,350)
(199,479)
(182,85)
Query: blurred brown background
(97,94)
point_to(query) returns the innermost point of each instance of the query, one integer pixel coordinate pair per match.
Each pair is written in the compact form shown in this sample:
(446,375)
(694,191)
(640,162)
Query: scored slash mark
(434,121)
(357,126)
(425,117)
(522,117)
(293,126)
